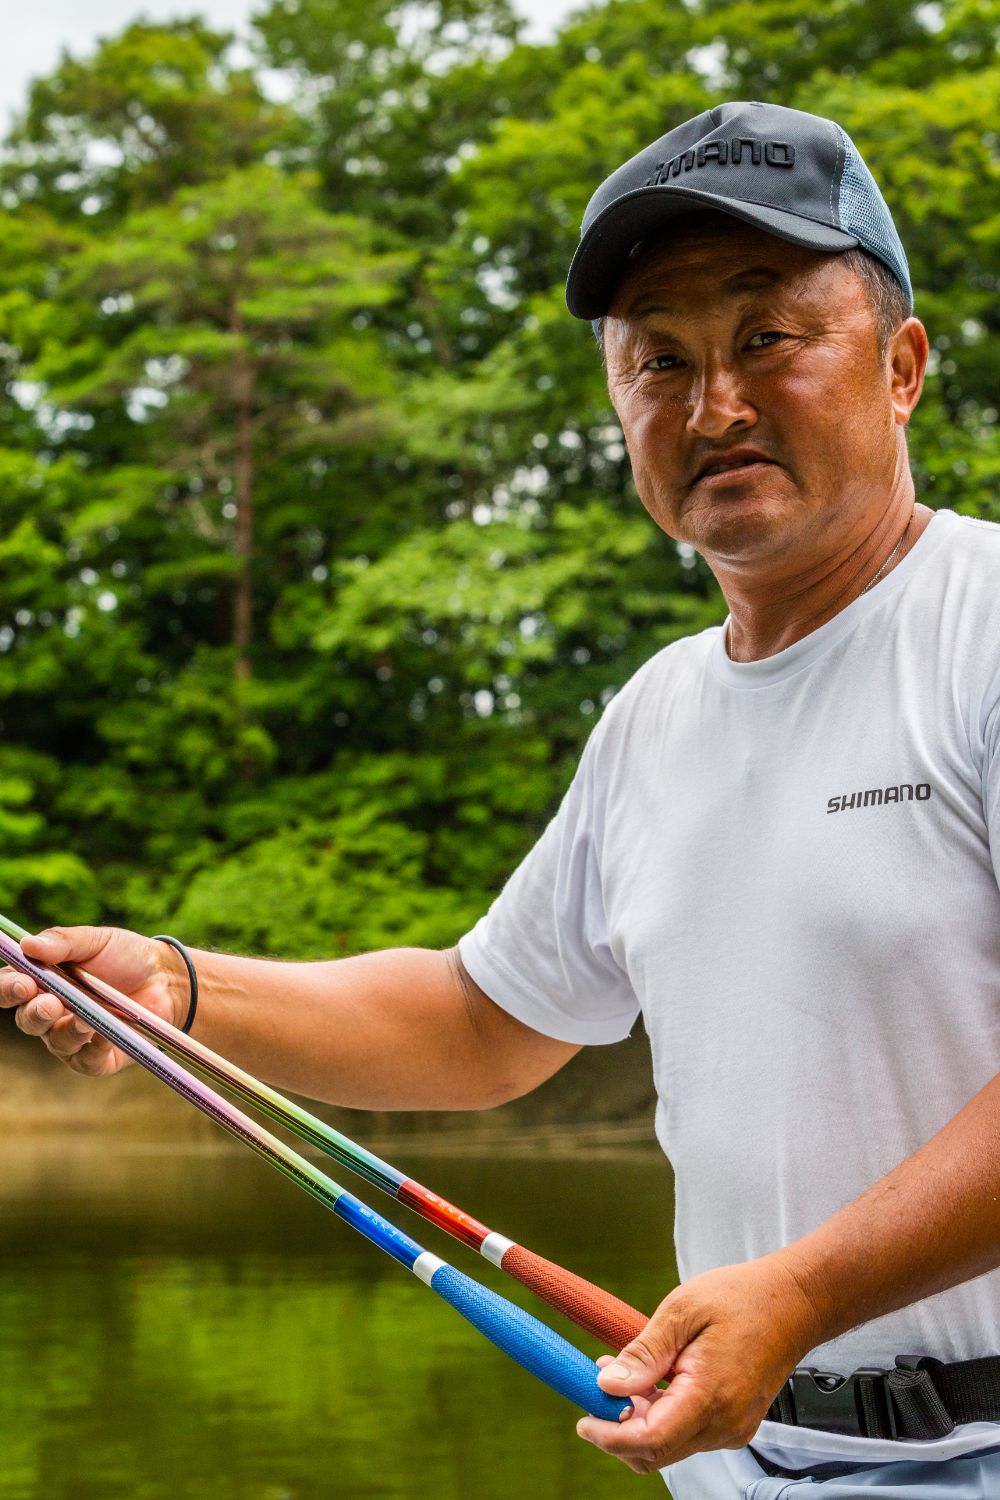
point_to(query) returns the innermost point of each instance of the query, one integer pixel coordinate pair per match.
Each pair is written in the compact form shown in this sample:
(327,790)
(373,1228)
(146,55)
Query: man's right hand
(147,971)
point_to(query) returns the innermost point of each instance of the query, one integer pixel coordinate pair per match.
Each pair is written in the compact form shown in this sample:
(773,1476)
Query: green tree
(222,322)
(294,388)
(156,108)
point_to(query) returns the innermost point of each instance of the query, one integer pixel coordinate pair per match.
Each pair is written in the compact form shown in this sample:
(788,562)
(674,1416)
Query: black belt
(920,1399)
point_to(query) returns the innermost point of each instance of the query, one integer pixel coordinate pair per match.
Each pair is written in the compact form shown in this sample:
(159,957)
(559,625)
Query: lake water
(186,1325)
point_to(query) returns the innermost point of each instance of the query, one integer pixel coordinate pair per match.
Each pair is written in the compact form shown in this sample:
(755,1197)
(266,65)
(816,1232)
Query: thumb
(56,945)
(649,1357)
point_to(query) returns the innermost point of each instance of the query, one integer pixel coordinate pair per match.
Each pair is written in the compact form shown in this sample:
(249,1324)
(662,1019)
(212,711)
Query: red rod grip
(590,1307)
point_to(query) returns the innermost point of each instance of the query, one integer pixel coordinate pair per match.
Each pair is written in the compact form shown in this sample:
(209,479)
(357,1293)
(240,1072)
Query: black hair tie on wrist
(163,937)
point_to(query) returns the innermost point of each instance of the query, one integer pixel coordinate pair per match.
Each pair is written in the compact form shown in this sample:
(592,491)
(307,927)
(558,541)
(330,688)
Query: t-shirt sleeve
(542,951)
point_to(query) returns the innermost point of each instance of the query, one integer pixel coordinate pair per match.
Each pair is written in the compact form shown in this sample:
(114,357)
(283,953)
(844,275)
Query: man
(777,845)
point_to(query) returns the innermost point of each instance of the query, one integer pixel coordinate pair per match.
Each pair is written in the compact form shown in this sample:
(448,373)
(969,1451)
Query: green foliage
(318,548)
(396,98)
(37,870)
(154,109)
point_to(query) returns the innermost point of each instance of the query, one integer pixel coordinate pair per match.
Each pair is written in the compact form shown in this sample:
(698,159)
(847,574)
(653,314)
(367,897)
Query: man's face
(726,346)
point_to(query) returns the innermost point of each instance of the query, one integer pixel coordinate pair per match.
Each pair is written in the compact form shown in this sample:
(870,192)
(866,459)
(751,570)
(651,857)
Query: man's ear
(906,357)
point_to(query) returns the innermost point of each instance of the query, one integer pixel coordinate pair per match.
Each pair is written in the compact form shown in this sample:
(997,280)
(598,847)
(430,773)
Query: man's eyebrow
(754,279)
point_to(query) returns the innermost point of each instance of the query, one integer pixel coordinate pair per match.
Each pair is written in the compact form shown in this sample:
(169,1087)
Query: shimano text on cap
(795,175)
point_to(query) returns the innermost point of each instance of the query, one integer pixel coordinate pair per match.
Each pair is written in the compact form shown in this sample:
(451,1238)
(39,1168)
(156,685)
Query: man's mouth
(732,463)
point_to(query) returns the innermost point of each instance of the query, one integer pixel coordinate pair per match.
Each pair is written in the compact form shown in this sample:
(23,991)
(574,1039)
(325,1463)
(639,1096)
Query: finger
(639,1454)
(639,1404)
(595,1429)
(15,988)
(95,1059)
(664,1433)
(56,945)
(68,1035)
(650,1356)
(39,1016)
(653,1462)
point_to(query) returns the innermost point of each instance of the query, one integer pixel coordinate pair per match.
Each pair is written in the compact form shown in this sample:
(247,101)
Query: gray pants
(734,1474)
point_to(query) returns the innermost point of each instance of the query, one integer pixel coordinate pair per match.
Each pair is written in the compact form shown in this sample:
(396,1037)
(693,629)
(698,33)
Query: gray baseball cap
(798,176)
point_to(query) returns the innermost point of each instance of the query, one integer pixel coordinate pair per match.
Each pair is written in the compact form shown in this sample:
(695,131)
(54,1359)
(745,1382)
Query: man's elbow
(511,1058)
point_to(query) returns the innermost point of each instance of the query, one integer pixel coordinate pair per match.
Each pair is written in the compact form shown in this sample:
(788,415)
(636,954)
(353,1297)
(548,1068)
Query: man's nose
(717,402)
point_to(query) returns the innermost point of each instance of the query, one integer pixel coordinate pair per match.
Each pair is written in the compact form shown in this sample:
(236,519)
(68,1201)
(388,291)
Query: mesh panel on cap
(865,214)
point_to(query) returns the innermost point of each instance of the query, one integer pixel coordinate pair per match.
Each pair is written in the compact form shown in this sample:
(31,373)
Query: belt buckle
(833,1402)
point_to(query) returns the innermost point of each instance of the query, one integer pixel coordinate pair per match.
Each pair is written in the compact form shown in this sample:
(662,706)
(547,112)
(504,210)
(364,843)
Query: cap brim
(604,249)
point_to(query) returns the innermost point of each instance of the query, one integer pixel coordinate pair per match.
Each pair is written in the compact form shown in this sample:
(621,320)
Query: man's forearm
(403,1028)
(930,1223)
(727,1338)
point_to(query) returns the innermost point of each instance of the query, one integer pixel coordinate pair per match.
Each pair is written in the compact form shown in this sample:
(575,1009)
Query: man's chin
(738,528)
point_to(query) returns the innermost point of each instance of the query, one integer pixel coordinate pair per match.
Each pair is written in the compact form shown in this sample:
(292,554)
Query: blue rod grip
(532,1344)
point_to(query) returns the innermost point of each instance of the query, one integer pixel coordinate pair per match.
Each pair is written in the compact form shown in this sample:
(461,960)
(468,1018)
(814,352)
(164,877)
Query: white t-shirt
(790,867)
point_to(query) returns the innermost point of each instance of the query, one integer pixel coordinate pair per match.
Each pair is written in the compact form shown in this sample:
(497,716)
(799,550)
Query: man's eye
(662,362)
(766,339)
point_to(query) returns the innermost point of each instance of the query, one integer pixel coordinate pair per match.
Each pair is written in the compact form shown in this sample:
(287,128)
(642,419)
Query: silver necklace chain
(871,584)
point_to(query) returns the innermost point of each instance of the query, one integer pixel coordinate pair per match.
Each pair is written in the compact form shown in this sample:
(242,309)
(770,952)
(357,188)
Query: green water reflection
(189,1325)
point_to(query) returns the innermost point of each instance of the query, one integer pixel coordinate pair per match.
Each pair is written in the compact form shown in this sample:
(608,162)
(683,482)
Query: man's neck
(768,615)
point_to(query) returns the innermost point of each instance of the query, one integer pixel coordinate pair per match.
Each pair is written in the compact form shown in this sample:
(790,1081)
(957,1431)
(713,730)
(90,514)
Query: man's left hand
(726,1341)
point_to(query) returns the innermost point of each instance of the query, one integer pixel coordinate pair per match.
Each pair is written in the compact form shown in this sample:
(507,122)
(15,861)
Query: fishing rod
(590,1307)
(529,1342)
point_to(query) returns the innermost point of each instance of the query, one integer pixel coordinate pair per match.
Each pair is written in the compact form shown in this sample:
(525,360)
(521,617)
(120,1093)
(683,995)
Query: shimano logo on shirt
(880,796)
